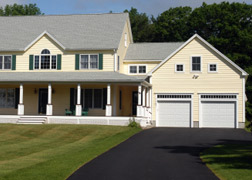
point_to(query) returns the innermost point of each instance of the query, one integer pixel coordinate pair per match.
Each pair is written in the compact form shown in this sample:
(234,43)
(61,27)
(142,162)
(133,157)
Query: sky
(150,7)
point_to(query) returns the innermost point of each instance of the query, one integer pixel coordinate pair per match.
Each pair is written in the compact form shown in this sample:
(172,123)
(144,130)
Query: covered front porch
(76,102)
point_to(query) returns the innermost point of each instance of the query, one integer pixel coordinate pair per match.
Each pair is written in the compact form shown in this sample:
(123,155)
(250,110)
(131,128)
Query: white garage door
(174,114)
(218,114)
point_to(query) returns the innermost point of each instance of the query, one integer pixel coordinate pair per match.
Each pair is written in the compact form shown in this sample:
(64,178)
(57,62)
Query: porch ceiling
(6,77)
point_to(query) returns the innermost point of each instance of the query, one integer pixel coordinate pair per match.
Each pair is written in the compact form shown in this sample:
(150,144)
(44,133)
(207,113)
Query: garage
(173,111)
(218,114)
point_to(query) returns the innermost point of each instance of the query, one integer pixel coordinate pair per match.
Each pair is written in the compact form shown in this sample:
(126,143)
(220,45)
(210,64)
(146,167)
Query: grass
(53,151)
(230,162)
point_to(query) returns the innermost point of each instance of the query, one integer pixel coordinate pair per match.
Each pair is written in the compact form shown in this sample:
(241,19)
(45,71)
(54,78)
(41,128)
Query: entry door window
(43,100)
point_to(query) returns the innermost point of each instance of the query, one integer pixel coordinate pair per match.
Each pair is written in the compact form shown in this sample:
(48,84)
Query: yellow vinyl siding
(68,57)
(122,49)
(150,65)
(226,80)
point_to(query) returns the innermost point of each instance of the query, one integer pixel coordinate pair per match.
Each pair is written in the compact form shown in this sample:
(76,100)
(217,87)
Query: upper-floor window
(118,63)
(137,69)
(45,60)
(125,39)
(212,67)
(196,63)
(5,62)
(179,67)
(88,61)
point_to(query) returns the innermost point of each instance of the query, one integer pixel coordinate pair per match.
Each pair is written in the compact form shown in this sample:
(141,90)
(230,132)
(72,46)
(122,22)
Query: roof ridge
(46,15)
(156,42)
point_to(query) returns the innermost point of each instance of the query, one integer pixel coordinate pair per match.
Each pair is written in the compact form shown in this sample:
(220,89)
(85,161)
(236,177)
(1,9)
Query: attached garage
(174,111)
(218,111)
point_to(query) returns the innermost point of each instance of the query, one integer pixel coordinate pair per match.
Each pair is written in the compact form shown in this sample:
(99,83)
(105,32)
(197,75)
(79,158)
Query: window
(45,60)
(142,70)
(89,61)
(5,62)
(133,69)
(137,69)
(212,67)
(7,98)
(93,98)
(179,67)
(196,63)
(118,63)
(125,39)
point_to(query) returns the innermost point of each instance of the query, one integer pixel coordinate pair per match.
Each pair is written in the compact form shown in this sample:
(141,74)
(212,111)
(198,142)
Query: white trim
(88,61)
(179,71)
(243,100)
(194,71)
(40,36)
(244,73)
(137,69)
(208,67)
(125,39)
(175,99)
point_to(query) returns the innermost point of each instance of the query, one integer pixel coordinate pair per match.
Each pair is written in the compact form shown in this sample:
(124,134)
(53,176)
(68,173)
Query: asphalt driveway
(160,153)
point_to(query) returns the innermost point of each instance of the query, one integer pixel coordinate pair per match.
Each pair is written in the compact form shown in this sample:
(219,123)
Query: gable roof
(73,32)
(151,51)
(244,73)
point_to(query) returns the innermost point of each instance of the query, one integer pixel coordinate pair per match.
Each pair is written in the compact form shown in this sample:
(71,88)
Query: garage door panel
(218,114)
(174,114)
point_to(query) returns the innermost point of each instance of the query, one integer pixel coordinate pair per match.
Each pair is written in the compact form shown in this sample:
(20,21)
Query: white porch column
(139,106)
(21,100)
(108,105)
(49,106)
(144,102)
(78,109)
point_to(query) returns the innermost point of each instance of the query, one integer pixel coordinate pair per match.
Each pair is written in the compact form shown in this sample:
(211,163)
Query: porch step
(31,120)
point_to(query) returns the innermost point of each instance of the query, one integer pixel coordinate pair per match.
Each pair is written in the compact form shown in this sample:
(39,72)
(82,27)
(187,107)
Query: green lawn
(230,162)
(53,151)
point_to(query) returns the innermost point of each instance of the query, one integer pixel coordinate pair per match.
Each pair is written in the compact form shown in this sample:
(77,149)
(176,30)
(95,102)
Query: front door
(134,102)
(43,100)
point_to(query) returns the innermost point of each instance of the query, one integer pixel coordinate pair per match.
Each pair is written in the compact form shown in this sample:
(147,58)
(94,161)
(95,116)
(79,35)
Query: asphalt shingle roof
(151,51)
(68,77)
(74,32)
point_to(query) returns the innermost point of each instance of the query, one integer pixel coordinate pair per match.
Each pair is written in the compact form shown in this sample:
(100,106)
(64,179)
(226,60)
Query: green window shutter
(59,62)
(77,61)
(13,65)
(100,61)
(72,99)
(31,62)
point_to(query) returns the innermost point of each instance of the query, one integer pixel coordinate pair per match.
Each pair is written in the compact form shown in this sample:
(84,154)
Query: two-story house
(86,69)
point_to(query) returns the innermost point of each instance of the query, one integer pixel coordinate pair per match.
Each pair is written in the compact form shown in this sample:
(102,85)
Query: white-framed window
(196,63)
(137,69)
(45,60)
(7,98)
(179,68)
(89,61)
(125,39)
(93,98)
(118,63)
(5,62)
(212,67)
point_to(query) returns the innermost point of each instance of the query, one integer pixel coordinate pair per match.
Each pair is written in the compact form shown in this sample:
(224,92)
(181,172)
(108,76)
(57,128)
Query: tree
(20,10)
(172,25)
(141,26)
